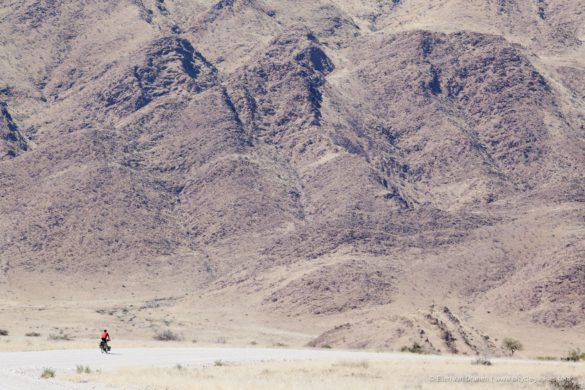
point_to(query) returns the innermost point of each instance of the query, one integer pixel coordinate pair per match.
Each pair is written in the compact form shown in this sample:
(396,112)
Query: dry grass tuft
(48,373)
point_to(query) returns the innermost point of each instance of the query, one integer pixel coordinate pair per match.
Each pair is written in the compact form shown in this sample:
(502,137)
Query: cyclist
(105,338)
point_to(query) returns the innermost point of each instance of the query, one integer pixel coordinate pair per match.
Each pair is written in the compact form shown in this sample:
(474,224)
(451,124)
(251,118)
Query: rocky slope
(325,160)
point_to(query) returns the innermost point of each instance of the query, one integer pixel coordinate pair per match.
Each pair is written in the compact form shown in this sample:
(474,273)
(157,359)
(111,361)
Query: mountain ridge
(334,162)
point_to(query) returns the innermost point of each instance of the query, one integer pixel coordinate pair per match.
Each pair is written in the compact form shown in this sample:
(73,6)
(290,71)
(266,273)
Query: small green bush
(511,345)
(3,332)
(48,373)
(33,334)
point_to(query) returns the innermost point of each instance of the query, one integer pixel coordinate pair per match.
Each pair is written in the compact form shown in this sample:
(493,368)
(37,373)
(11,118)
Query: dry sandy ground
(259,368)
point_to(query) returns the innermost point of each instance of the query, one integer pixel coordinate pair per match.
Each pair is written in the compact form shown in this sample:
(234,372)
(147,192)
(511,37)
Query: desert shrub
(60,337)
(482,361)
(511,345)
(80,369)
(414,348)
(218,363)
(546,358)
(167,335)
(574,355)
(565,384)
(3,332)
(326,346)
(179,367)
(48,373)
(33,334)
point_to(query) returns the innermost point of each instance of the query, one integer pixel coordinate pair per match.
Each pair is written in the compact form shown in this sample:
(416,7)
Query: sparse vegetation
(511,345)
(80,369)
(340,374)
(546,358)
(570,383)
(414,348)
(3,332)
(179,367)
(482,361)
(167,335)
(326,346)
(574,355)
(33,334)
(350,364)
(48,373)
(60,337)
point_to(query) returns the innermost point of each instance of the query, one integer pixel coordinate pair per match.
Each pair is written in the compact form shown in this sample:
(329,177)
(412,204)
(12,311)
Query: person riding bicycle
(105,338)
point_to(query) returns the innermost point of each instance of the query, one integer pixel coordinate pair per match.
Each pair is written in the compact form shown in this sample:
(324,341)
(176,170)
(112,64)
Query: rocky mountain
(411,165)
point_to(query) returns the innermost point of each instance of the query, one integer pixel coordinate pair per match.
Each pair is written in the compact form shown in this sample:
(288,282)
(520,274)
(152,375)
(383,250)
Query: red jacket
(105,335)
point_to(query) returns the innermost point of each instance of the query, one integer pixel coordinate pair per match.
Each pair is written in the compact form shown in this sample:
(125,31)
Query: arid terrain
(360,174)
(261,368)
